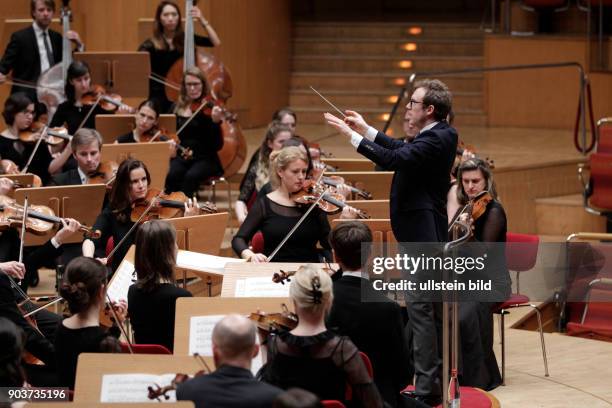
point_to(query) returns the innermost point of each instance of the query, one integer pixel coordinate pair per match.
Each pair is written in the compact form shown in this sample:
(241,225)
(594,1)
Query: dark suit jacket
(420,183)
(228,386)
(23,58)
(377,329)
(67,178)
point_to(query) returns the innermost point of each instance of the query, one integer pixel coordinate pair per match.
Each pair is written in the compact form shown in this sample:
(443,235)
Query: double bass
(233,153)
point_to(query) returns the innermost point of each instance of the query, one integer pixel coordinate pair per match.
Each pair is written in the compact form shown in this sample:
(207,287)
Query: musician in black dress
(18,114)
(166,45)
(202,135)
(152,299)
(311,356)
(276,213)
(478,364)
(131,184)
(84,288)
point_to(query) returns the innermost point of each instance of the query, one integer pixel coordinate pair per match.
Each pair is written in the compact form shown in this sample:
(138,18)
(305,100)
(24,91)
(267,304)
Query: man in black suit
(232,384)
(35,49)
(379,330)
(86,145)
(417,204)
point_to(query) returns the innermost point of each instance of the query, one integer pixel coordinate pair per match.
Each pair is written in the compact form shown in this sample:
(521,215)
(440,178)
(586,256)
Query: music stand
(201,233)
(81,202)
(378,183)
(156,156)
(376,209)
(186,308)
(113,126)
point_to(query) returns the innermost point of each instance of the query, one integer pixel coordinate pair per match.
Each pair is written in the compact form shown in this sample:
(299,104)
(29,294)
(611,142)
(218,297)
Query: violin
(105,174)
(480,203)
(40,219)
(334,181)
(163,135)
(462,147)
(165,206)
(53,136)
(275,322)
(107,101)
(157,393)
(330,203)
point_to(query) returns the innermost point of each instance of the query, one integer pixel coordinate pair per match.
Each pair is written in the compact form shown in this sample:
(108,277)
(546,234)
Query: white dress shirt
(42,51)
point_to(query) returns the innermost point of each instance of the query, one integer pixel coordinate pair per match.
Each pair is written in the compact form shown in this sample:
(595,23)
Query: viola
(53,136)
(40,219)
(107,101)
(330,203)
(275,322)
(165,206)
(163,135)
(105,174)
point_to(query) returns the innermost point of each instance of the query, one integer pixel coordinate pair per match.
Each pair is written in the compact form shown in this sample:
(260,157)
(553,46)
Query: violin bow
(23,228)
(145,212)
(43,132)
(193,115)
(296,226)
(89,113)
(162,80)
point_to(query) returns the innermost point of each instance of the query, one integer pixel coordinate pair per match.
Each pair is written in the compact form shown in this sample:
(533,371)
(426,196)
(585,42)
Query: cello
(233,153)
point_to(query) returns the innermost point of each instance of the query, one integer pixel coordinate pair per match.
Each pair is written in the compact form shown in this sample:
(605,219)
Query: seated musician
(86,145)
(287,117)
(202,135)
(479,366)
(276,213)
(231,384)
(19,114)
(12,373)
(379,331)
(146,122)
(311,356)
(165,47)
(152,299)
(84,288)
(36,338)
(257,175)
(131,184)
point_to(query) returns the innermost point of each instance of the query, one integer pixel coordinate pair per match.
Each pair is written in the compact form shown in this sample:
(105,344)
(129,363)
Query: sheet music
(133,387)
(121,281)
(260,287)
(203,262)
(200,334)
(200,339)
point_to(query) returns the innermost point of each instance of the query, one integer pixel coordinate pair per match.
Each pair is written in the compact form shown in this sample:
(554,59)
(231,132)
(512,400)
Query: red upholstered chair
(368,365)
(521,256)
(332,404)
(598,190)
(470,397)
(257,243)
(596,321)
(604,135)
(145,349)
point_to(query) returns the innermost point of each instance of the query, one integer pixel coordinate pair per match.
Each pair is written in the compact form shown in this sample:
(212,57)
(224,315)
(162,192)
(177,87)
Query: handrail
(598,236)
(582,84)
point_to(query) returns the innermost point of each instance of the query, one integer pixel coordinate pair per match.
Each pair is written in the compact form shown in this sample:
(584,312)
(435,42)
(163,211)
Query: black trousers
(186,175)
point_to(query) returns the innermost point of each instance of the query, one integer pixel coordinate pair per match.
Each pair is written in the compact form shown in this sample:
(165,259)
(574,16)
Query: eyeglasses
(412,101)
(28,112)
(193,84)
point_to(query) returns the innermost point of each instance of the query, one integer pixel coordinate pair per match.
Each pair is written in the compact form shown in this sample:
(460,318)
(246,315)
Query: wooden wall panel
(533,98)
(255,35)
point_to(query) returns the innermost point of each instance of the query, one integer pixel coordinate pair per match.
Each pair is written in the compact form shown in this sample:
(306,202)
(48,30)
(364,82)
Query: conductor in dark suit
(232,384)
(86,145)
(379,330)
(33,50)
(417,203)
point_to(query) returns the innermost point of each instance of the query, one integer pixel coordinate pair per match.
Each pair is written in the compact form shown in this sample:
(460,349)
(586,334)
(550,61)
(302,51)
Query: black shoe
(424,400)
(34,279)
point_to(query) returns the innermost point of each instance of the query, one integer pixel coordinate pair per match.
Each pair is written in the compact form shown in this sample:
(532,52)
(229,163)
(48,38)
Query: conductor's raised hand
(356,122)
(338,124)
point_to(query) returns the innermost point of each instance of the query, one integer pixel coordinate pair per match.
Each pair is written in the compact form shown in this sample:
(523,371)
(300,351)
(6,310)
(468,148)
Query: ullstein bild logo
(424,263)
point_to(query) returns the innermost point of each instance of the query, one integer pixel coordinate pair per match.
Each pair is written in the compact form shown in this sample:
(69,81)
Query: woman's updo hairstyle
(281,159)
(82,282)
(311,289)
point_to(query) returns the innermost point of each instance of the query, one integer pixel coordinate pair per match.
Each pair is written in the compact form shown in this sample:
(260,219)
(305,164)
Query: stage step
(563,215)
(324,80)
(373,63)
(401,47)
(359,29)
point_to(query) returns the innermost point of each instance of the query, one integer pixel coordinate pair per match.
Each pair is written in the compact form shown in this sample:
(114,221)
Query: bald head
(234,337)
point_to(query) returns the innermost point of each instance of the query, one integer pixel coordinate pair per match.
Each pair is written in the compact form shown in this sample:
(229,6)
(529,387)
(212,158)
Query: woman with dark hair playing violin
(18,114)
(152,299)
(201,133)
(166,45)
(475,186)
(130,187)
